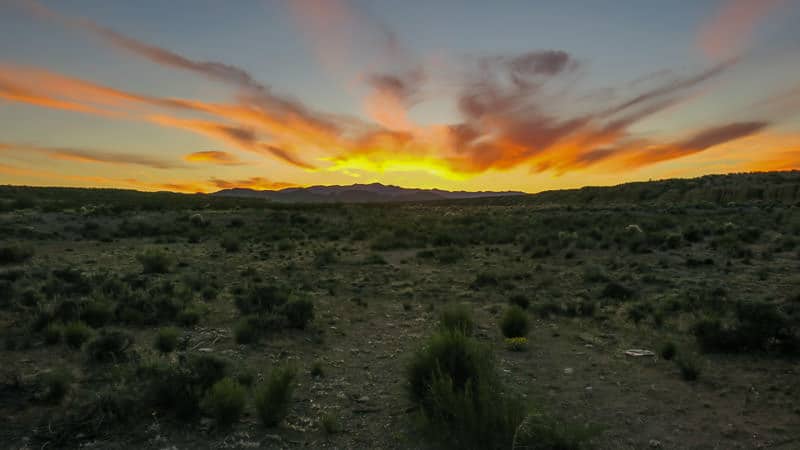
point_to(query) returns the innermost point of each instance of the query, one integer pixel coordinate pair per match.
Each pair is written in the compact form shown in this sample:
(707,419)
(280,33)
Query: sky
(526,95)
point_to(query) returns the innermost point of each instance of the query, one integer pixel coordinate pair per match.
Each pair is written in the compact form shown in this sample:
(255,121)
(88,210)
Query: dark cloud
(721,134)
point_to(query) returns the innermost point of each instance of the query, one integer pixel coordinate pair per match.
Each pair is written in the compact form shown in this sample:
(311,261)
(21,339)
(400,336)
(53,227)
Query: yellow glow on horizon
(395,163)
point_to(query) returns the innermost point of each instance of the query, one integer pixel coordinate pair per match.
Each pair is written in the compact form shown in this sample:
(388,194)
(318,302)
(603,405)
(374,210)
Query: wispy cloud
(513,109)
(213,157)
(733,25)
(93,156)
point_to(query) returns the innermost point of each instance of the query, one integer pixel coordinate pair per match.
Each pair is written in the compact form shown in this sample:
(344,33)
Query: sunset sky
(200,95)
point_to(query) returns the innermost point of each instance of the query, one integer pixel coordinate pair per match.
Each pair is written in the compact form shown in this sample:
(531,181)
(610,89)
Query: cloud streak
(733,25)
(93,156)
(213,157)
(513,110)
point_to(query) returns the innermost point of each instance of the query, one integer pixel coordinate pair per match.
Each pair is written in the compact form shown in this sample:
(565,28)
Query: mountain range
(358,193)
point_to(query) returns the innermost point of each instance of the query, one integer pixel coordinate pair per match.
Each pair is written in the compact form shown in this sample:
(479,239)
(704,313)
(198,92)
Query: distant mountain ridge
(359,193)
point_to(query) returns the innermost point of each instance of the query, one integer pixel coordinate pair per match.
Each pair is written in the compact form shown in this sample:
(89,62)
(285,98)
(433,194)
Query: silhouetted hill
(764,187)
(359,193)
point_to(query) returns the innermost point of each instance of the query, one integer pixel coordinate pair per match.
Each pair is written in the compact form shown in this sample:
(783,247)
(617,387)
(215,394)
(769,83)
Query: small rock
(568,371)
(654,443)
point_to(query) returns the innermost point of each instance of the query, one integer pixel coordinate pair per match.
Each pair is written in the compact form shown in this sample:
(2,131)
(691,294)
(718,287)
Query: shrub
(299,313)
(109,346)
(225,401)
(76,333)
(179,388)
(520,301)
(756,326)
(166,340)
(273,396)
(484,279)
(317,370)
(457,318)
(15,254)
(689,366)
(514,323)
(261,299)
(57,385)
(230,244)
(189,316)
(155,261)
(594,274)
(325,257)
(374,258)
(451,352)
(97,313)
(52,333)
(668,350)
(453,380)
(330,424)
(541,432)
(205,369)
(449,255)
(197,220)
(617,291)
(246,330)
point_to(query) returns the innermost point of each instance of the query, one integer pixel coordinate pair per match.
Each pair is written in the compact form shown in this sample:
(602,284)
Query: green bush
(57,385)
(330,424)
(76,333)
(274,395)
(374,258)
(484,279)
(299,313)
(52,333)
(325,257)
(617,291)
(15,254)
(594,274)
(756,326)
(317,370)
(230,244)
(166,339)
(542,432)
(452,352)
(155,261)
(668,350)
(178,388)
(455,317)
(261,299)
(453,381)
(689,366)
(246,330)
(110,346)
(190,315)
(225,401)
(97,313)
(514,323)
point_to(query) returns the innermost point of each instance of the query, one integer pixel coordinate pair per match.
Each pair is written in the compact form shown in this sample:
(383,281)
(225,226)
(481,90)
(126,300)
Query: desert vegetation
(652,315)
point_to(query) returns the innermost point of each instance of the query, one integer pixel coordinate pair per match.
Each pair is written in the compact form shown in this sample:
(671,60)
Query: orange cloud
(733,25)
(213,157)
(15,93)
(513,111)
